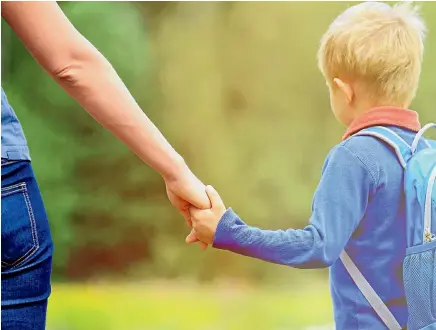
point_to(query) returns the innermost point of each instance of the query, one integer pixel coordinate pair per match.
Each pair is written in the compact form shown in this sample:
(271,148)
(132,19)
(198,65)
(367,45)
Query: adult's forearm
(88,77)
(93,82)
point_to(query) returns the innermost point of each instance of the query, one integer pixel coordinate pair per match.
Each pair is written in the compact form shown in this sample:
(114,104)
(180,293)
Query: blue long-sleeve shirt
(358,206)
(339,196)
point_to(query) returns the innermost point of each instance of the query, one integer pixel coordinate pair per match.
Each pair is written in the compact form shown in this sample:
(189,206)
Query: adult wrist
(176,169)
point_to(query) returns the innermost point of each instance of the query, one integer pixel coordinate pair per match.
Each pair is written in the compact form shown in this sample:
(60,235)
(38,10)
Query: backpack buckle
(428,236)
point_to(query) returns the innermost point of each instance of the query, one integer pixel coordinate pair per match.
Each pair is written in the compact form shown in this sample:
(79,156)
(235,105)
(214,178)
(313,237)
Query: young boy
(371,58)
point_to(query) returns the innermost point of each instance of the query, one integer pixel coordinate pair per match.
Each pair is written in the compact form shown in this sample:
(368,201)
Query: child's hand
(205,222)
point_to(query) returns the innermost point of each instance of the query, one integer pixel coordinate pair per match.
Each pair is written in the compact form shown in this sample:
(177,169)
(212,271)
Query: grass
(176,306)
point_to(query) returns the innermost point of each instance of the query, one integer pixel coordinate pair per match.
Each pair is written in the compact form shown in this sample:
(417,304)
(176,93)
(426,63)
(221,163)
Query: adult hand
(205,222)
(186,190)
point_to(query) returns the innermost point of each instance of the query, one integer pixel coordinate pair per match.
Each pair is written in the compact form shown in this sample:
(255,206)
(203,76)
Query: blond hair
(379,45)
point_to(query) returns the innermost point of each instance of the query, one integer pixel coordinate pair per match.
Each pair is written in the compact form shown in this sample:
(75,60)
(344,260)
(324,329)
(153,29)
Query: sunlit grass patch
(177,306)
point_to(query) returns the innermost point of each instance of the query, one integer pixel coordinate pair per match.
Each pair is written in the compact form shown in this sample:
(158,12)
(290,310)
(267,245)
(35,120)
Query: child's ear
(345,89)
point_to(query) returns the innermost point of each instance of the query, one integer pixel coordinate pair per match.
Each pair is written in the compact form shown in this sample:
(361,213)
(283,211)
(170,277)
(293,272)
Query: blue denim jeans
(26,249)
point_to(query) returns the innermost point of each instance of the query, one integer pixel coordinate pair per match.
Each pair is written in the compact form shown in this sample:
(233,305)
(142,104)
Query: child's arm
(339,204)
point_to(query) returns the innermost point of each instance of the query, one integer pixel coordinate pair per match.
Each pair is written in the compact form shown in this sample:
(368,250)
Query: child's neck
(368,105)
(384,116)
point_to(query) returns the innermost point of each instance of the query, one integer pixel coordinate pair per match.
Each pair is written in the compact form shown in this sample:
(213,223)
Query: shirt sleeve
(339,204)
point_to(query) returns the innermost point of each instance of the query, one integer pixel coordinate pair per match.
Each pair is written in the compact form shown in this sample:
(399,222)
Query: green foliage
(236,90)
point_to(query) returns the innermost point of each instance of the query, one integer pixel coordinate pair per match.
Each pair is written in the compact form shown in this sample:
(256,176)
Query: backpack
(419,266)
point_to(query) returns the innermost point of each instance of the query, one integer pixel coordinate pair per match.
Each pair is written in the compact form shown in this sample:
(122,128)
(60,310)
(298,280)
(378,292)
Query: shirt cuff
(223,234)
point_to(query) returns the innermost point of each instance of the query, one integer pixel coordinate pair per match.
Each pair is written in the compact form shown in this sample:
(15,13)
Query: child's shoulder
(365,146)
(366,149)
(364,152)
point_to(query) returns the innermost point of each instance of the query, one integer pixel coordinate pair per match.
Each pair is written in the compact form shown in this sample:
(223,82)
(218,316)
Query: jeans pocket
(18,227)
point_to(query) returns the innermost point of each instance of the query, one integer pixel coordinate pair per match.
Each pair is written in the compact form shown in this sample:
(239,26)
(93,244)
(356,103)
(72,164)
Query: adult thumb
(213,195)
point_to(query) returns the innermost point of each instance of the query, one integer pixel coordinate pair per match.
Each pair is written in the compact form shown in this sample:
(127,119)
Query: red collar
(390,116)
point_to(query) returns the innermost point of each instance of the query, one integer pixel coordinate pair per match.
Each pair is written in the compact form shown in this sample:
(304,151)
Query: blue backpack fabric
(419,267)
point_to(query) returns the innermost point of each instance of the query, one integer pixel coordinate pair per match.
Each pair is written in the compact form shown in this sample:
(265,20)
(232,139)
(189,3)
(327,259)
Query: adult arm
(83,72)
(89,78)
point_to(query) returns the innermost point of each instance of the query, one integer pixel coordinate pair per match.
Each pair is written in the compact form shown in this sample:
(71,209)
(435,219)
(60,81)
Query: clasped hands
(205,221)
(200,205)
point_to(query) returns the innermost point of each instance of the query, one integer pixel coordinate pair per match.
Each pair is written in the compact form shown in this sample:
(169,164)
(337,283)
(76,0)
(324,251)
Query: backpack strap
(402,148)
(368,292)
(403,152)
(421,134)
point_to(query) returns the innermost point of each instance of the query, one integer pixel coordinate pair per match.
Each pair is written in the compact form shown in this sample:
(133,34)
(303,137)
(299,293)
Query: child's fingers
(191,238)
(203,245)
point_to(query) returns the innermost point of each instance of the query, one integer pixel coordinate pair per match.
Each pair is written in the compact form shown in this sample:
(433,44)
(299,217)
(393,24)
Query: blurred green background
(235,88)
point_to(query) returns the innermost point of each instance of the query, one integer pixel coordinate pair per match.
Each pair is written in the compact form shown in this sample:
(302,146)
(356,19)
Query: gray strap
(377,304)
(420,134)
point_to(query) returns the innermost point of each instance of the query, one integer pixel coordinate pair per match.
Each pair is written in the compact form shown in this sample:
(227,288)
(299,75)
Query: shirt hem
(15,153)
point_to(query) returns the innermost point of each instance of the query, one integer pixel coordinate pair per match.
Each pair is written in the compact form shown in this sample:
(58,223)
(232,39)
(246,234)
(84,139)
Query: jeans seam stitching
(20,185)
(11,192)
(32,221)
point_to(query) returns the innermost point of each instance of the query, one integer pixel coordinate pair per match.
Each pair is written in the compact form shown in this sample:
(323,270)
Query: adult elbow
(80,68)
(68,74)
